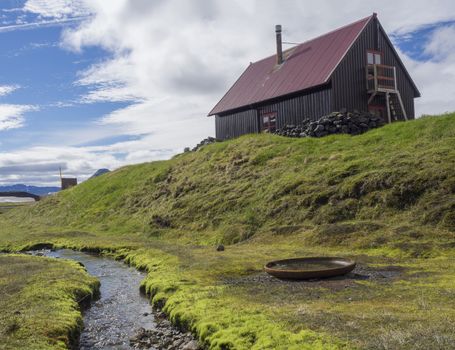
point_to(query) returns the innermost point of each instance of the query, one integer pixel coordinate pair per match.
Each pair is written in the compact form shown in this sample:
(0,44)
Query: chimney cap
(278,28)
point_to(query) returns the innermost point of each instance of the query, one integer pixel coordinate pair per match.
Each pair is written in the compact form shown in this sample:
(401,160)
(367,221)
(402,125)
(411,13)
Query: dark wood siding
(289,111)
(294,110)
(237,124)
(404,85)
(349,79)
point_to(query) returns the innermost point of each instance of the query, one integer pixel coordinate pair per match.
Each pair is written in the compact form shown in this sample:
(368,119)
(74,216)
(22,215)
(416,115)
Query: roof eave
(322,86)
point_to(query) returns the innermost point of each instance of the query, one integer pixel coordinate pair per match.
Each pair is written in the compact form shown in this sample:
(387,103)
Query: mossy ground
(385,198)
(39,302)
(5,206)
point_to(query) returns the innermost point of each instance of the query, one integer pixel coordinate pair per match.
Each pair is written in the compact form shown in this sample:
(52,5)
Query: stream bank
(122,317)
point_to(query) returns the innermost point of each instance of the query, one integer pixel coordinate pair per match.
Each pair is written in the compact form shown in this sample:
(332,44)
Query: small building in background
(68,182)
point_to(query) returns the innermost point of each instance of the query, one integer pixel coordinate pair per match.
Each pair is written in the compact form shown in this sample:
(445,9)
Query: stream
(122,318)
(121,309)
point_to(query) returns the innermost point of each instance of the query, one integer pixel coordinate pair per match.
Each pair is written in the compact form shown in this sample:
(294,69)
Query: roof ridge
(320,36)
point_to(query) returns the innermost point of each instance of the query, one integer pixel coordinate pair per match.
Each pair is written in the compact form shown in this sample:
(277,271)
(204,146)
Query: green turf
(385,198)
(39,302)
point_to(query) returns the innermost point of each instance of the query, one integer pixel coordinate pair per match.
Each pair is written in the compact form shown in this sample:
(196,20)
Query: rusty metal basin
(306,268)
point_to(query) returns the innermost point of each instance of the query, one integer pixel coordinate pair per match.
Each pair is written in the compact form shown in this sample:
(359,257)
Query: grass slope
(385,198)
(38,303)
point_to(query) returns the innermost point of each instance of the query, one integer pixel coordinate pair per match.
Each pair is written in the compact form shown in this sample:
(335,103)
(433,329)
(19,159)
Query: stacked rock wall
(335,123)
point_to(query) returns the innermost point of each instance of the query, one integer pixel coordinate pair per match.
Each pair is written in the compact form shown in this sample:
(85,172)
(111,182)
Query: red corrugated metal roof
(307,65)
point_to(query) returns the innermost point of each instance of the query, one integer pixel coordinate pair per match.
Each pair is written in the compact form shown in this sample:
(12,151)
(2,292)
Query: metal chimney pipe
(279,45)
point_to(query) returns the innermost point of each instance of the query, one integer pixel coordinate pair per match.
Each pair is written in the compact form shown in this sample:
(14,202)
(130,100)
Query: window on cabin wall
(374,57)
(268,120)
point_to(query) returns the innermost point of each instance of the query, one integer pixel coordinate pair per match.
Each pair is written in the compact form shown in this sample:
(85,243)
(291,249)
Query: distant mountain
(100,172)
(38,190)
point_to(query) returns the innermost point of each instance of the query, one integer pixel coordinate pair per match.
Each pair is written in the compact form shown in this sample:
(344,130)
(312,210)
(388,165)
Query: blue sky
(44,75)
(86,84)
(414,43)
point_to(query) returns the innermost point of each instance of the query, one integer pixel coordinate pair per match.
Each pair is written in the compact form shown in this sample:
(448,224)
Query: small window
(370,58)
(268,121)
(377,58)
(374,57)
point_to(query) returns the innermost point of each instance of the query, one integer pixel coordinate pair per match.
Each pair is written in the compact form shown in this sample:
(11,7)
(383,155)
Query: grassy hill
(385,198)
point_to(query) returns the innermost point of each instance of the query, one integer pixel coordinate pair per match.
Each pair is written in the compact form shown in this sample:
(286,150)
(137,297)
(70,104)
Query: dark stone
(220,248)
(319,128)
(161,221)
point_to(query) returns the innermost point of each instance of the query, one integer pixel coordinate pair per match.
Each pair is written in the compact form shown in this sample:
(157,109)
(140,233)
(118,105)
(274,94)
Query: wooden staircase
(382,80)
(395,107)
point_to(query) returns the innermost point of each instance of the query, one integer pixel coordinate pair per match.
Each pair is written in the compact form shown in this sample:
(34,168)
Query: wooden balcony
(381,78)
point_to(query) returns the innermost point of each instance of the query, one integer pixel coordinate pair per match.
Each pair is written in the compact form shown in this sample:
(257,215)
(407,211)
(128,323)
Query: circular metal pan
(306,268)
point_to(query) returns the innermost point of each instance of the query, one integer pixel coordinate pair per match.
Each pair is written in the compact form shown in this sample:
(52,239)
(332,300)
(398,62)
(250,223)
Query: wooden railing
(381,78)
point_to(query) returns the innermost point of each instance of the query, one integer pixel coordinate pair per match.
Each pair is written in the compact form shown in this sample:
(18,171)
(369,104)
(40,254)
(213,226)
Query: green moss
(39,302)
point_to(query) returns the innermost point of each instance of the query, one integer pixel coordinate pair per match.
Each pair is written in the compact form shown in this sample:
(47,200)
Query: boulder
(220,248)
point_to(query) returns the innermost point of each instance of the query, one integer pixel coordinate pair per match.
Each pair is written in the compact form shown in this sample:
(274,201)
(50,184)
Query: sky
(89,84)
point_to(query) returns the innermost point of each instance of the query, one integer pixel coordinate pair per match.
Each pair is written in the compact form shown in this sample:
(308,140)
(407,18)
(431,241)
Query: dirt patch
(360,273)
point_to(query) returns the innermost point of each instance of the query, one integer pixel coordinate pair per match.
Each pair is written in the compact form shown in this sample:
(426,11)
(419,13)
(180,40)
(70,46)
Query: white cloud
(40,24)
(174,59)
(57,8)
(436,76)
(40,165)
(45,13)
(189,53)
(7,89)
(442,44)
(12,116)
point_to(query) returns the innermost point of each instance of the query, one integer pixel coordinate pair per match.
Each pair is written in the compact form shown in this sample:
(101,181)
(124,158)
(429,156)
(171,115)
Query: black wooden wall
(237,124)
(294,110)
(289,111)
(349,80)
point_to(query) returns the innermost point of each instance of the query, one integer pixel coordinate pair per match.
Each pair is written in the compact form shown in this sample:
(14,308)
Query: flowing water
(121,309)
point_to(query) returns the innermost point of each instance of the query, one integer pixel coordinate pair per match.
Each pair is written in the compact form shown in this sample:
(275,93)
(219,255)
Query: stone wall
(352,123)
